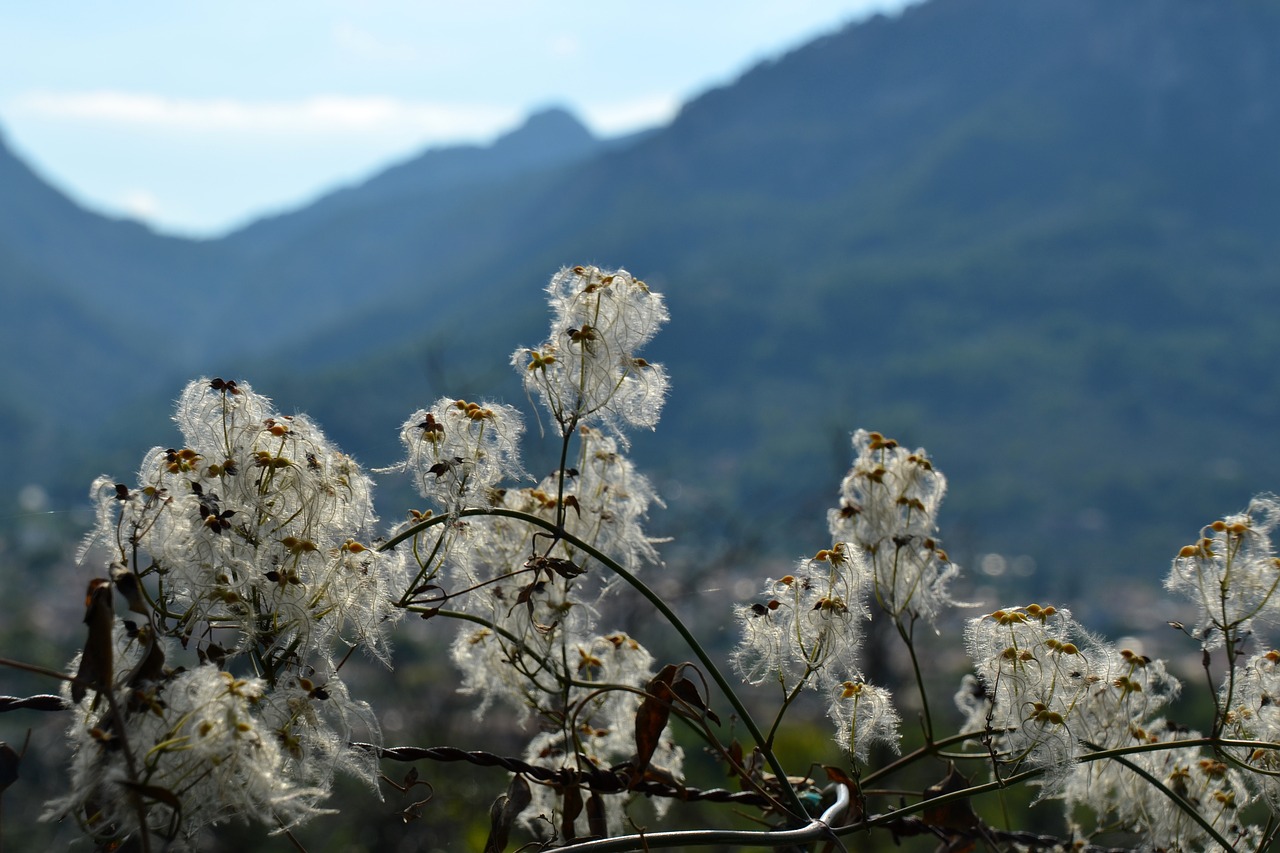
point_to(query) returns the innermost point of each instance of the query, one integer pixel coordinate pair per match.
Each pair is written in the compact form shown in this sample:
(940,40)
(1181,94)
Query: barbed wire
(619,779)
(41,702)
(616,780)
(612,781)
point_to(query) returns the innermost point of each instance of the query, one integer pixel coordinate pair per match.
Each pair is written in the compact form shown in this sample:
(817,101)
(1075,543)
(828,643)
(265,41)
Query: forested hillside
(1036,238)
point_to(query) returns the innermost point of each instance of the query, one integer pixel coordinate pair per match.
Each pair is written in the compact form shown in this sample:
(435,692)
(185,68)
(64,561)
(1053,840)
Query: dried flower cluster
(1047,694)
(889,508)
(1231,572)
(589,369)
(247,545)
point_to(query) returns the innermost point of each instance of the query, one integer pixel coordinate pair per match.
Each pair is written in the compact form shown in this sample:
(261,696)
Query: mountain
(382,233)
(548,139)
(1010,232)
(64,370)
(117,268)
(1036,238)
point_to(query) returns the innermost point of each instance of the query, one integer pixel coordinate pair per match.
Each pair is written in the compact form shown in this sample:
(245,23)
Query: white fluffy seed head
(458,451)
(257,520)
(807,626)
(589,369)
(888,507)
(1046,686)
(1231,572)
(863,715)
(203,738)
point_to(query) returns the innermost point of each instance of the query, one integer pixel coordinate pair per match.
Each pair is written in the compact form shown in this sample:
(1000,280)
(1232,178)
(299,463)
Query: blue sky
(197,116)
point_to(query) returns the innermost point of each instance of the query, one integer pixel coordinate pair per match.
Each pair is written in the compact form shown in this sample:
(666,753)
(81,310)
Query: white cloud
(321,113)
(612,118)
(364,45)
(140,204)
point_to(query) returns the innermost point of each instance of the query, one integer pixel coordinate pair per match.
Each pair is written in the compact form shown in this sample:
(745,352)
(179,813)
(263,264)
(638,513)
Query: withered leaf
(9,761)
(96,665)
(127,583)
(504,811)
(688,692)
(442,468)
(955,814)
(215,654)
(837,775)
(572,808)
(562,567)
(735,757)
(227,386)
(150,668)
(596,820)
(652,716)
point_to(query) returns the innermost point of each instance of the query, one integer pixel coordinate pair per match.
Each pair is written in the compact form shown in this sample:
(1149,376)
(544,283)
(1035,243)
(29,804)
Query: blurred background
(1037,239)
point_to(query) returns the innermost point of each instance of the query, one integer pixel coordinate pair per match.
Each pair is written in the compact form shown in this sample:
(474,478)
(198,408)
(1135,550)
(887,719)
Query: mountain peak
(548,139)
(553,132)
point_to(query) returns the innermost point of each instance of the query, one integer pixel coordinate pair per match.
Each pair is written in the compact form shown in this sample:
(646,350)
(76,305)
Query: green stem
(788,791)
(560,475)
(1117,753)
(908,637)
(423,568)
(1177,799)
(928,749)
(786,703)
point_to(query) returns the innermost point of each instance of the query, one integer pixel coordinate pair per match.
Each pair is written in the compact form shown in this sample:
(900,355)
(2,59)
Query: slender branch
(786,703)
(925,750)
(1178,800)
(1268,834)
(908,637)
(1036,772)
(788,791)
(45,671)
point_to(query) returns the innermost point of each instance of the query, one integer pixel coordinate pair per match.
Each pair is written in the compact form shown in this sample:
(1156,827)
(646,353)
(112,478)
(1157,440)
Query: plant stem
(788,791)
(1177,799)
(908,637)
(930,748)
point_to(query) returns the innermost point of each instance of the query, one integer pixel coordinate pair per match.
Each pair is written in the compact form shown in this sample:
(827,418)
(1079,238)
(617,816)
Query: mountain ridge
(547,138)
(1018,234)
